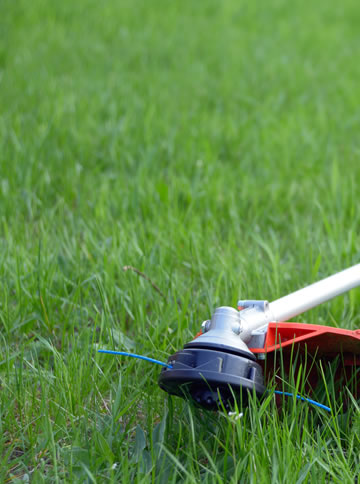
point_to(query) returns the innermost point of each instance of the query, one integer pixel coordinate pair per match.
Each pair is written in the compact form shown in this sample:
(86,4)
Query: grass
(215,147)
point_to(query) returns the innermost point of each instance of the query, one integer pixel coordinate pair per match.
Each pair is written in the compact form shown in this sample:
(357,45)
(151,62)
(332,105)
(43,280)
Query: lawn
(214,146)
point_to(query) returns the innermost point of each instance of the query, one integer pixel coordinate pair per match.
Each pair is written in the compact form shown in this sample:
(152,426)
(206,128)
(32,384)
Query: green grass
(215,147)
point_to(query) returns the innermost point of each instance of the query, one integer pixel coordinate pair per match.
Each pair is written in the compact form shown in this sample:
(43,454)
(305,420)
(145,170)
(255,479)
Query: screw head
(205,326)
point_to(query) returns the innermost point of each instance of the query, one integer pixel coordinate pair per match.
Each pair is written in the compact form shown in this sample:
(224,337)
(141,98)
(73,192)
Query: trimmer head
(216,368)
(212,378)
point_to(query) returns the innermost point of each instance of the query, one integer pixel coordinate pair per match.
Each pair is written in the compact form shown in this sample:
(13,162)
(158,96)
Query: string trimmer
(235,352)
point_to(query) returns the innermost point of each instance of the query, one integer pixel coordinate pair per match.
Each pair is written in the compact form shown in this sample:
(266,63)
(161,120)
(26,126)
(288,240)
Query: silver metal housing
(223,329)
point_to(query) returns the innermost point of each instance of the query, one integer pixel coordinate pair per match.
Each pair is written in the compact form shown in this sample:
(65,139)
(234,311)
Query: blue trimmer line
(161,363)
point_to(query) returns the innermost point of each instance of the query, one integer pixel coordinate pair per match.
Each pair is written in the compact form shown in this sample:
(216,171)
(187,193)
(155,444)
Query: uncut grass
(213,147)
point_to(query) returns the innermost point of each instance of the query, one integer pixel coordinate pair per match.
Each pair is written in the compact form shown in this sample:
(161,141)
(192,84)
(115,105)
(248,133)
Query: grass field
(215,147)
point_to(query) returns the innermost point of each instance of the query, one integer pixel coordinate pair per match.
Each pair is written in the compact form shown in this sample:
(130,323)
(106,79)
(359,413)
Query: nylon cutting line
(166,365)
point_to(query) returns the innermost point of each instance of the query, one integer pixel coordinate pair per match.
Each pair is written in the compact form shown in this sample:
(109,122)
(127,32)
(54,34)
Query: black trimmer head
(212,378)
